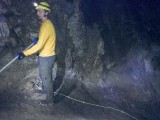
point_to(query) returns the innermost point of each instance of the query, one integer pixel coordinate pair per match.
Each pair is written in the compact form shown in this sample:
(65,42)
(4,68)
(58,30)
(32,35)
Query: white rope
(97,105)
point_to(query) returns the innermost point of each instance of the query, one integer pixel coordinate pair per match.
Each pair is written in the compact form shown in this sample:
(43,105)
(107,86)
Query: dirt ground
(65,110)
(16,103)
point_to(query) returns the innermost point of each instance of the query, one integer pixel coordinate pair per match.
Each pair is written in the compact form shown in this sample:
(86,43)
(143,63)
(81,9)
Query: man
(45,47)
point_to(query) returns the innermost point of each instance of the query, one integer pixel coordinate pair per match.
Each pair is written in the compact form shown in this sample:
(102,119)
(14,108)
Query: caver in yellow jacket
(46,43)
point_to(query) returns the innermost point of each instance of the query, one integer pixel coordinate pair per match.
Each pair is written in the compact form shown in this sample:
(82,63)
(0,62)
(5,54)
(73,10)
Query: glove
(35,41)
(20,56)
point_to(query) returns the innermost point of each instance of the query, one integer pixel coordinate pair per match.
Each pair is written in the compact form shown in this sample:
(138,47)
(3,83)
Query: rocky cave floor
(64,110)
(16,105)
(16,108)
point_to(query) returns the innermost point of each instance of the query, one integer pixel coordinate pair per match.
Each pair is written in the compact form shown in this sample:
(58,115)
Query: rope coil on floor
(97,105)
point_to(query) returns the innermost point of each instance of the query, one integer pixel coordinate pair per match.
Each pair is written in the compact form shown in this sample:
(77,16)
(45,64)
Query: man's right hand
(20,56)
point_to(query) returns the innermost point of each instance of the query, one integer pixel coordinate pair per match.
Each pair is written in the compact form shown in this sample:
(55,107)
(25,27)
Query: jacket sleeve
(41,42)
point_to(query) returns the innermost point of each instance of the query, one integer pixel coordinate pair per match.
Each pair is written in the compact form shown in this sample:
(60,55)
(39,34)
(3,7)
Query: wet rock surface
(108,54)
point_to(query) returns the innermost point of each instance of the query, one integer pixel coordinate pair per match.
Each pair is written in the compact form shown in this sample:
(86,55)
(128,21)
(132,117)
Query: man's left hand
(35,41)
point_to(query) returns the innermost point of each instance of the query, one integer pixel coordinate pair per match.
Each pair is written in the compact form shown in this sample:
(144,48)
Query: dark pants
(45,65)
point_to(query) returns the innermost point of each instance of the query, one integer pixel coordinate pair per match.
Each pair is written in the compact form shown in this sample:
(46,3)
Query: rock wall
(110,49)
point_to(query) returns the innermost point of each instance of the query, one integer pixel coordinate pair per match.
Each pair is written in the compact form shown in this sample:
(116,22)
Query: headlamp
(35,4)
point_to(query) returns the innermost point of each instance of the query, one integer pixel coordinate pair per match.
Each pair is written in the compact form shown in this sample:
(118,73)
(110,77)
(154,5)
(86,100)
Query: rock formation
(109,50)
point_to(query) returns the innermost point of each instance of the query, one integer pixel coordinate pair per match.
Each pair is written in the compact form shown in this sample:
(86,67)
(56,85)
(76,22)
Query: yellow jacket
(46,43)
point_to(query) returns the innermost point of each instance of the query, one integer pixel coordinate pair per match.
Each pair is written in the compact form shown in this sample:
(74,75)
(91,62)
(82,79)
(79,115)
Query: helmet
(43,6)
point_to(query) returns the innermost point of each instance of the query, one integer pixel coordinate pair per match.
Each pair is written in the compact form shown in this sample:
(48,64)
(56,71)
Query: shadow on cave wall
(123,24)
(60,83)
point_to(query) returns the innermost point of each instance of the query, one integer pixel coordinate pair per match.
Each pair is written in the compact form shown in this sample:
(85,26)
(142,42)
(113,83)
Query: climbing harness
(96,105)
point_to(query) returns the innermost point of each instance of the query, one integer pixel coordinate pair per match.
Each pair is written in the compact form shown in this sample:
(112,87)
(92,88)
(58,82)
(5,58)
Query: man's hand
(35,41)
(20,55)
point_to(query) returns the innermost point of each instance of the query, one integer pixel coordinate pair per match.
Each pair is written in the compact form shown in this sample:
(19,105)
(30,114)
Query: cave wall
(108,48)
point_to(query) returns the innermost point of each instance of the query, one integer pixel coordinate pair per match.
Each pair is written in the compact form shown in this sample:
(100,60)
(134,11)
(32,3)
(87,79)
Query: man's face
(40,14)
